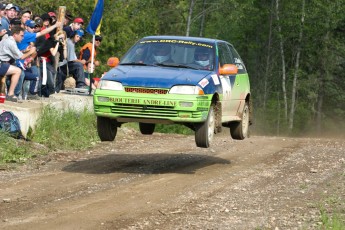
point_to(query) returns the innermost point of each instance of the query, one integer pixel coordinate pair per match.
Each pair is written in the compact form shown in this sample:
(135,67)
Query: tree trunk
(268,58)
(283,62)
(294,84)
(189,20)
(202,19)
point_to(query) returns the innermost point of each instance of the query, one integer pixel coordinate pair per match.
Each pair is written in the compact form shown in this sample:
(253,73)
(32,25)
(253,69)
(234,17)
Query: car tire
(147,128)
(204,132)
(106,128)
(240,130)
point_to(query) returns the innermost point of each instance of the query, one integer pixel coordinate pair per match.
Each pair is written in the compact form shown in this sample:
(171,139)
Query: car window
(173,53)
(237,59)
(225,57)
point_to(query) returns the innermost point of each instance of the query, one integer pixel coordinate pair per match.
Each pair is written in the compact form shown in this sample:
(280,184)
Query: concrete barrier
(28,112)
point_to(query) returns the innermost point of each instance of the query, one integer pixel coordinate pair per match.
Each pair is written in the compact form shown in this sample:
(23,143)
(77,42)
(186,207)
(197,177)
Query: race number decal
(204,82)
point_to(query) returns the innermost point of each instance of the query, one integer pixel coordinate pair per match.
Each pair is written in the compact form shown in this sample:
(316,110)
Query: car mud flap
(218,116)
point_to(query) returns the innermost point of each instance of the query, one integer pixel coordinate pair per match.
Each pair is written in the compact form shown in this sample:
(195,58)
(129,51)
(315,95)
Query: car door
(241,85)
(227,81)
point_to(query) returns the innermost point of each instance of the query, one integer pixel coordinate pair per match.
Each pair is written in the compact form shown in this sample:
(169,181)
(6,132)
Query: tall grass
(69,130)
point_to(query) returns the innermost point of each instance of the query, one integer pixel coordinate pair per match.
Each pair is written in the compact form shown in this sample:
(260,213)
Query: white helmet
(202,56)
(161,52)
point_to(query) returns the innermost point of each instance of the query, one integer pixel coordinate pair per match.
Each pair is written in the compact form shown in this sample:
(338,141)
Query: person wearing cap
(8,52)
(10,13)
(39,23)
(86,50)
(3,30)
(2,9)
(52,16)
(74,66)
(25,15)
(30,37)
(68,18)
(75,25)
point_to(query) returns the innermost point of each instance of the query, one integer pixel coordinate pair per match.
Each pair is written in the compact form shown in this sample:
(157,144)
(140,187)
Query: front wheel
(204,132)
(146,128)
(239,130)
(106,128)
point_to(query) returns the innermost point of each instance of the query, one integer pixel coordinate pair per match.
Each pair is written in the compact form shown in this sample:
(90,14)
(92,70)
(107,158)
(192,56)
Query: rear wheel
(239,130)
(147,128)
(204,132)
(106,128)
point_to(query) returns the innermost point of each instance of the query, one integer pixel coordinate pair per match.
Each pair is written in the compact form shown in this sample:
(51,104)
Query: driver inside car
(162,53)
(202,57)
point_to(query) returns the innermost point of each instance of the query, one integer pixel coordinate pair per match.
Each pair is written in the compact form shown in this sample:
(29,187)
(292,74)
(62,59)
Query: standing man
(9,52)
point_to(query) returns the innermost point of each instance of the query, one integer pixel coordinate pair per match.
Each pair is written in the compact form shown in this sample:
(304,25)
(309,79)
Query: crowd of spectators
(37,53)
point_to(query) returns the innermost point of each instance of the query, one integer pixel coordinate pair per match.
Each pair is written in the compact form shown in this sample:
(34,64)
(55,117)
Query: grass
(12,150)
(54,131)
(57,130)
(333,221)
(68,130)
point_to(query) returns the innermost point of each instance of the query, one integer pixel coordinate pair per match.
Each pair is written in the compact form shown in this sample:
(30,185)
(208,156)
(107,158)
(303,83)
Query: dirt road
(165,182)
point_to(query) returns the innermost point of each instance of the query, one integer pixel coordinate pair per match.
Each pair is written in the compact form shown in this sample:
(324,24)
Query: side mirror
(113,62)
(228,69)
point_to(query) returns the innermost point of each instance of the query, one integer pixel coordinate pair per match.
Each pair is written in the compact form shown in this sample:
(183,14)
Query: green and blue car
(201,83)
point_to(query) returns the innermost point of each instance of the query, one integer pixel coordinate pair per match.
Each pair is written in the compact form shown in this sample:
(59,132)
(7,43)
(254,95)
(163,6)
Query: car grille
(145,90)
(149,111)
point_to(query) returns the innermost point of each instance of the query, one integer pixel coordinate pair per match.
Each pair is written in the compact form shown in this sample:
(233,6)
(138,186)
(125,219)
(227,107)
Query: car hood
(155,76)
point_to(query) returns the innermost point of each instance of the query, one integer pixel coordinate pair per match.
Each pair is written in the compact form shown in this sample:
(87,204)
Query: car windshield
(171,53)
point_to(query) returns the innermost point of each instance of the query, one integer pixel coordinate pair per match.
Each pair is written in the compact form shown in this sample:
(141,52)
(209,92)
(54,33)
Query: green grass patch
(69,130)
(15,151)
(331,221)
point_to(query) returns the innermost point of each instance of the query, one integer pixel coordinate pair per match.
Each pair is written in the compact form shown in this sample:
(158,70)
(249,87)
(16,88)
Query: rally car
(201,83)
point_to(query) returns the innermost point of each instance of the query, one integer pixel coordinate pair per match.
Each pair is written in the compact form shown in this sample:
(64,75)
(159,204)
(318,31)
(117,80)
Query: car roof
(197,39)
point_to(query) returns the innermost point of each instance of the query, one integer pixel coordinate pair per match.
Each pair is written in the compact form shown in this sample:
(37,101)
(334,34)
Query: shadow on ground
(156,163)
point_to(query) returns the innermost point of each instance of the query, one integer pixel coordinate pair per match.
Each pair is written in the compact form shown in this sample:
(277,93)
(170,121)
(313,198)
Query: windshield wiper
(134,63)
(175,65)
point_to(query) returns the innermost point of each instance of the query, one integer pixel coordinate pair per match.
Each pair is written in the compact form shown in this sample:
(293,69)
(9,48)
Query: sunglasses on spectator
(98,40)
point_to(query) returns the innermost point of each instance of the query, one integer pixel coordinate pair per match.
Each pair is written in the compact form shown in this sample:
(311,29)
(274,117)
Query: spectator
(86,50)
(87,76)
(74,66)
(2,9)
(76,25)
(10,13)
(26,15)
(68,18)
(9,51)
(31,73)
(3,30)
(39,24)
(52,16)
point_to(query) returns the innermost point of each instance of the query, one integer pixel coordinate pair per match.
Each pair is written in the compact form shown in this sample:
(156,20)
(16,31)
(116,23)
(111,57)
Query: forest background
(294,50)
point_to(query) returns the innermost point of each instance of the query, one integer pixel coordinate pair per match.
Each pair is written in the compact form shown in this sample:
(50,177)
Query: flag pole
(92,57)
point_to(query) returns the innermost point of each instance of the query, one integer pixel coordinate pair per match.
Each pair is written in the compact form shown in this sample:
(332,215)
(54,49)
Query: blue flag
(96,18)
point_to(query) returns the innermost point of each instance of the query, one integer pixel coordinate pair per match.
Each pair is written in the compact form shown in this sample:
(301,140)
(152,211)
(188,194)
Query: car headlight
(186,89)
(110,85)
